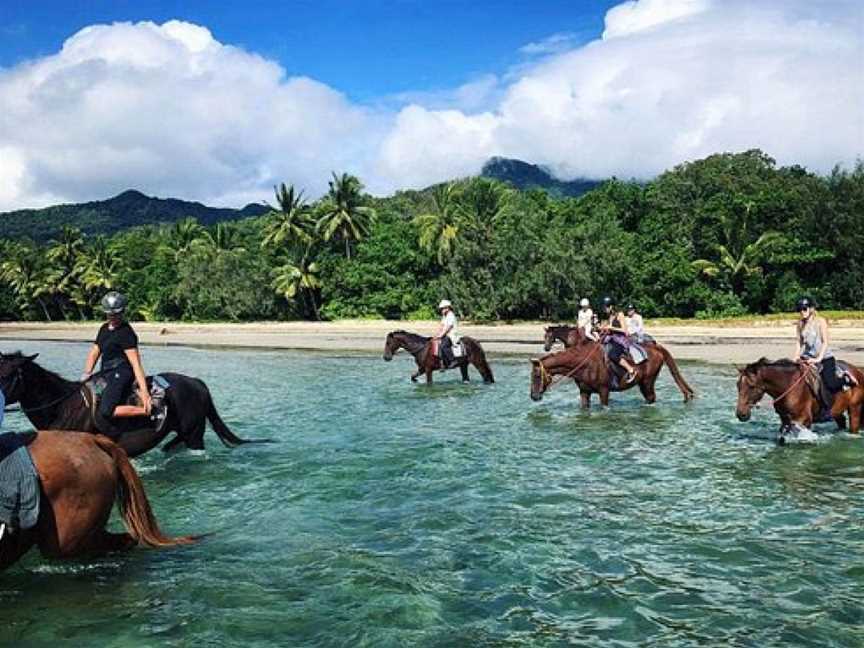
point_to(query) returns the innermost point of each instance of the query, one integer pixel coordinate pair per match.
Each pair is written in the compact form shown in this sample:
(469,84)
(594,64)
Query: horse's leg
(14,545)
(428,375)
(854,416)
(464,369)
(415,375)
(647,389)
(585,395)
(173,444)
(604,396)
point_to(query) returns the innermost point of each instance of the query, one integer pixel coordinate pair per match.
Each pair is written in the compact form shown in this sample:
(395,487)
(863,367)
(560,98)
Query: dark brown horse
(81,476)
(568,335)
(53,403)
(427,361)
(787,382)
(588,366)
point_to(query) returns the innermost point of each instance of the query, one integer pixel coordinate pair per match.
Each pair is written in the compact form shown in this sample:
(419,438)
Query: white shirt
(635,325)
(586,315)
(449,319)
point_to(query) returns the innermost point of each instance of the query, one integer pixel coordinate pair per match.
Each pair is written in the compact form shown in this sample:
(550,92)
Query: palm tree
(439,224)
(22,270)
(291,223)
(343,213)
(180,236)
(62,280)
(739,256)
(484,200)
(292,279)
(224,238)
(98,269)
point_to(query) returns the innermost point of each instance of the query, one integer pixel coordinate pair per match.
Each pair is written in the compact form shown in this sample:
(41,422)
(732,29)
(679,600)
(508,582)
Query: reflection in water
(399,514)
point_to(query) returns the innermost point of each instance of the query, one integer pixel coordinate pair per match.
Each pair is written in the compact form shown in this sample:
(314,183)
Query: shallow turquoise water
(395,514)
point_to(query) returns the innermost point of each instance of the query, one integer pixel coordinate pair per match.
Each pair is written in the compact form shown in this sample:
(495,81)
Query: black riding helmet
(630,307)
(608,302)
(802,303)
(114,303)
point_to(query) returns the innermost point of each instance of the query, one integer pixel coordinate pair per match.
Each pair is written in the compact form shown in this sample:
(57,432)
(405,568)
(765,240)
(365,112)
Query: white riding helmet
(444,303)
(584,303)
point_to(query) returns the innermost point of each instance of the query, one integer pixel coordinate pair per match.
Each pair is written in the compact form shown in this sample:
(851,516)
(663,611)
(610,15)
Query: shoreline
(729,343)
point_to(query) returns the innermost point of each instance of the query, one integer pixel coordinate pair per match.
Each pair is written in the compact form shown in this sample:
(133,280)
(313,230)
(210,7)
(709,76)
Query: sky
(218,101)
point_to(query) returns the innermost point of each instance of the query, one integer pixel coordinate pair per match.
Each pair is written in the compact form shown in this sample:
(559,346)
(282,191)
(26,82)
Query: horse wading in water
(792,389)
(54,403)
(422,349)
(81,476)
(587,365)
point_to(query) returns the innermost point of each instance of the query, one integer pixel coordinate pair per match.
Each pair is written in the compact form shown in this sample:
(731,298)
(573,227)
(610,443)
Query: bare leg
(127,411)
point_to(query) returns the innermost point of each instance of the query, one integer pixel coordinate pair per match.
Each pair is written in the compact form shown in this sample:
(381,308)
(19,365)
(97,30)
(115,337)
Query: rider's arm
(797,342)
(92,359)
(823,327)
(140,378)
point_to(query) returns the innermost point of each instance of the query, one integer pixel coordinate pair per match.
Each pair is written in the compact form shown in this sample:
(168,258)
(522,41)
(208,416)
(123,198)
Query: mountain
(530,176)
(128,209)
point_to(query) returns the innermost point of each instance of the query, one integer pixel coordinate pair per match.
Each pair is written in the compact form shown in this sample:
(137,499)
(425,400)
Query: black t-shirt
(113,344)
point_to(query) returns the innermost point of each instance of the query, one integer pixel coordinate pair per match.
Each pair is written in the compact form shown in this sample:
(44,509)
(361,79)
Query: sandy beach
(721,344)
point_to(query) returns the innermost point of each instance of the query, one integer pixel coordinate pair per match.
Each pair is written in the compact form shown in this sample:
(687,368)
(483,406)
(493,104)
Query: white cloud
(550,45)
(171,111)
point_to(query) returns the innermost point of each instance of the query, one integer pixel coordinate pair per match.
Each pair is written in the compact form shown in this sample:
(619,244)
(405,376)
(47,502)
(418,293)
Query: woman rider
(617,335)
(446,334)
(117,344)
(812,344)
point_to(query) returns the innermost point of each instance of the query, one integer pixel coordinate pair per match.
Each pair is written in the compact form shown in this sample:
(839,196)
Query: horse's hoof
(781,440)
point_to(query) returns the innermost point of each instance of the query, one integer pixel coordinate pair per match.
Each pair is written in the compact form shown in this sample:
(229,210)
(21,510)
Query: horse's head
(12,368)
(751,389)
(540,379)
(390,347)
(548,338)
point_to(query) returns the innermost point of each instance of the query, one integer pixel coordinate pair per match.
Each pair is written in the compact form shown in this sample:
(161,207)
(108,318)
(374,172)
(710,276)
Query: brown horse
(588,366)
(81,475)
(787,383)
(427,361)
(568,335)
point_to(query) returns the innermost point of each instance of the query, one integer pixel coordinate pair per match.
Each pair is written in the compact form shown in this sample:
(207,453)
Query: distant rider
(585,319)
(616,336)
(117,344)
(447,333)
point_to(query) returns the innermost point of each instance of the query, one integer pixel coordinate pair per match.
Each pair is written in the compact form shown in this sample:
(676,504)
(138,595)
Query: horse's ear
(535,361)
(31,358)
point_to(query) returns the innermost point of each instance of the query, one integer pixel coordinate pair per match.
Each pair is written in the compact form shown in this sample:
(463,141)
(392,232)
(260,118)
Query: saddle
(158,386)
(820,390)
(19,483)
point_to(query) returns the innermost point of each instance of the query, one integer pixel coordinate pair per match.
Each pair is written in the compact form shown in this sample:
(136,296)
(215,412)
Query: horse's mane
(560,327)
(415,337)
(783,363)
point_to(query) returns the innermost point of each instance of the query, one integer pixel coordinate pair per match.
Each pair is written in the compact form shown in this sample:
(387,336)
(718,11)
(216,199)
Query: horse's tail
(686,389)
(134,505)
(479,361)
(226,436)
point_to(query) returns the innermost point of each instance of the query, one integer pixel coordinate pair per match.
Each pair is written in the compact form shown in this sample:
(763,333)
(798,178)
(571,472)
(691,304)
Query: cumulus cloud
(170,110)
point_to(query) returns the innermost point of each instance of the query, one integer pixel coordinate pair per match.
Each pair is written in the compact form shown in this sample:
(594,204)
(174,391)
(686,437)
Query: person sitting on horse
(585,319)
(117,345)
(812,348)
(447,333)
(616,336)
(634,324)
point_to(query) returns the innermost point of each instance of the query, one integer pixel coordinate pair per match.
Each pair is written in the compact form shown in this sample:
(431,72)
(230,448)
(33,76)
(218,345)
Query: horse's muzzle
(387,358)
(536,397)
(742,416)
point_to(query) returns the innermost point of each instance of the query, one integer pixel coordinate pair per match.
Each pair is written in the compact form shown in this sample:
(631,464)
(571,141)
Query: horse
(588,366)
(81,476)
(786,381)
(52,402)
(568,335)
(427,361)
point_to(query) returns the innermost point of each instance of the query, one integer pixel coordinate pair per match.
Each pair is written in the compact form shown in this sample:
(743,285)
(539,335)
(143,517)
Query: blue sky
(218,102)
(365,48)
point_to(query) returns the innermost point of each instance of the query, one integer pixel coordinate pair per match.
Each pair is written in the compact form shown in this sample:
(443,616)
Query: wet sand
(721,344)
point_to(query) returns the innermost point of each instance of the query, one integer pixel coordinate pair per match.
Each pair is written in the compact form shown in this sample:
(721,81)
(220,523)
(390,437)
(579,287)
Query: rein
(792,386)
(551,380)
(39,408)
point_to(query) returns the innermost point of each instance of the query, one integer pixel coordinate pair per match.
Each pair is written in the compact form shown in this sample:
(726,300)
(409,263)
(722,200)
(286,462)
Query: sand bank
(722,344)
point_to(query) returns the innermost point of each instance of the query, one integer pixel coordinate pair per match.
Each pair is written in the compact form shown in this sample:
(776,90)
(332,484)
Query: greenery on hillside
(523,175)
(724,236)
(128,209)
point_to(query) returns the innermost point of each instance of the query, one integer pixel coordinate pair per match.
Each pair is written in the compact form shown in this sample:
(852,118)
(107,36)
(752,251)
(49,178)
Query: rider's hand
(146,402)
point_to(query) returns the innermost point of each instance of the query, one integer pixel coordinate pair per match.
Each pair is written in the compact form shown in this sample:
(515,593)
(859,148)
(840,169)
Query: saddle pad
(19,484)
(458,350)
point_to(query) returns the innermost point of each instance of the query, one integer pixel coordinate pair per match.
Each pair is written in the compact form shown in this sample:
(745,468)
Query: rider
(585,319)
(812,344)
(617,336)
(634,324)
(117,344)
(447,333)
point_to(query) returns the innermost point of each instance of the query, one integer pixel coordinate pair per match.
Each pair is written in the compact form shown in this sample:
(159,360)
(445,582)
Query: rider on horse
(812,344)
(617,346)
(447,333)
(585,319)
(117,344)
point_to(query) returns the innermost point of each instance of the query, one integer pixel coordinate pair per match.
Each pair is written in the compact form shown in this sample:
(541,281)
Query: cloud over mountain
(169,109)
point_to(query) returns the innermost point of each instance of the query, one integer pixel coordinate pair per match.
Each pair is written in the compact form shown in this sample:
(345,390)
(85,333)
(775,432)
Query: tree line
(727,235)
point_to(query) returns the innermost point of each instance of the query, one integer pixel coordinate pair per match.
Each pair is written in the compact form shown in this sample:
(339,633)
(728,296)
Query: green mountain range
(530,176)
(132,208)
(128,209)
